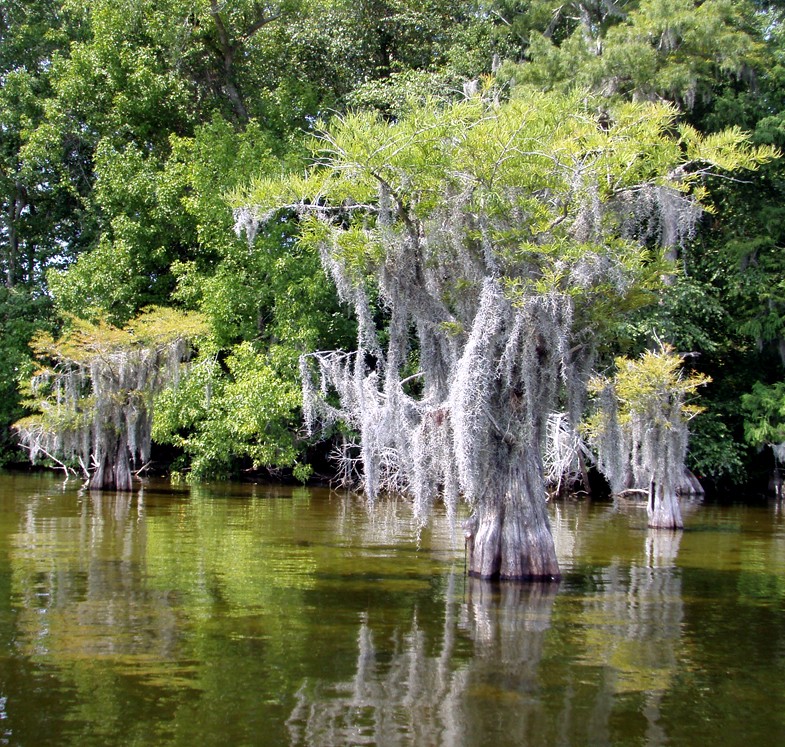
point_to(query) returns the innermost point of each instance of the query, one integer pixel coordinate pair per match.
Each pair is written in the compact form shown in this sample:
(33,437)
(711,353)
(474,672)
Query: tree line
(639,201)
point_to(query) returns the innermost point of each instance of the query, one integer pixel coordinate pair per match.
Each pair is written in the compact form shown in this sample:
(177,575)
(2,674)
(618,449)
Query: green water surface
(248,615)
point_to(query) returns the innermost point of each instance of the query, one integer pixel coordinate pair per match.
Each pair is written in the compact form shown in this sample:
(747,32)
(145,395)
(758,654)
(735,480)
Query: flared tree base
(512,542)
(113,469)
(663,508)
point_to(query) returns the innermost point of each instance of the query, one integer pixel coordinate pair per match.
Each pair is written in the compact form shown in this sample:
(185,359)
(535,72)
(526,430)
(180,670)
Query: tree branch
(40,448)
(258,24)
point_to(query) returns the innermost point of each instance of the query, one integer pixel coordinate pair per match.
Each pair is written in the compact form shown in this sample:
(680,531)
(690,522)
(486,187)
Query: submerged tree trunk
(663,507)
(509,536)
(113,467)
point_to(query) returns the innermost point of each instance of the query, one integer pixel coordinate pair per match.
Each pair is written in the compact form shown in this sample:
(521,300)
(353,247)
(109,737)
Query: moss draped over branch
(93,393)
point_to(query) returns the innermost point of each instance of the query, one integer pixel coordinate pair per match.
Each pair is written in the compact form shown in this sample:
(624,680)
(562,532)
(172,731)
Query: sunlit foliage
(497,237)
(640,429)
(95,389)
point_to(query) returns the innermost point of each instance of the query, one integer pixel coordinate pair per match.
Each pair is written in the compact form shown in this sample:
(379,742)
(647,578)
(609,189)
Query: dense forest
(134,134)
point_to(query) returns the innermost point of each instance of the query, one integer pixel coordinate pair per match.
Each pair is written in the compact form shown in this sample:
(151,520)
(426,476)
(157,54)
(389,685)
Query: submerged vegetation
(506,196)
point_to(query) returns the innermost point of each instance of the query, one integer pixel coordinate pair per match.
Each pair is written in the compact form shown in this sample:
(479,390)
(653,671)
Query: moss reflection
(233,614)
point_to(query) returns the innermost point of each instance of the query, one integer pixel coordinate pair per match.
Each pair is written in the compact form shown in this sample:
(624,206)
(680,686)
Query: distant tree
(640,430)
(498,239)
(95,390)
(764,424)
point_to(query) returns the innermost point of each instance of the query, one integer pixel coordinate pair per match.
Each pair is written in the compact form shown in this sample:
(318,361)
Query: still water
(247,615)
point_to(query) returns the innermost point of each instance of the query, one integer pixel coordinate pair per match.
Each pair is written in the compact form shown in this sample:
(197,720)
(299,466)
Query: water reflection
(632,632)
(80,584)
(149,588)
(409,689)
(246,616)
(489,674)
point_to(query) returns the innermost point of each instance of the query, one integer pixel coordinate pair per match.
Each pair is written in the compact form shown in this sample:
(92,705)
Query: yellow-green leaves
(562,193)
(537,162)
(654,385)
(728,150)
(83,340)
(639,428)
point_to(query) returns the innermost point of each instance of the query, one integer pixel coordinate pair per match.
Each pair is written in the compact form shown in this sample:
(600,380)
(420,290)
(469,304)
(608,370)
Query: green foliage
(764,409)
(722,63)
(37,224)
(123,124)
(714,451)
(689,314)
(247,415)
(506,157)
(654,385)
(21,313)
(674,49)
(542,215)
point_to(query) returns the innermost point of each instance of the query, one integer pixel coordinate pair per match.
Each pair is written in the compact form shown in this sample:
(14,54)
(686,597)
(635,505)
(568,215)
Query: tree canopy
(125,125)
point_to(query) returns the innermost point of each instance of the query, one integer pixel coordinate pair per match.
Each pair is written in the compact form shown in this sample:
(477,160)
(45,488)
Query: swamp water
(247,615)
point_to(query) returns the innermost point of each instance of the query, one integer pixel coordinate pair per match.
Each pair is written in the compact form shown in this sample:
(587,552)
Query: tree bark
(663,507)
(228,48)
(509,536)
(113,469)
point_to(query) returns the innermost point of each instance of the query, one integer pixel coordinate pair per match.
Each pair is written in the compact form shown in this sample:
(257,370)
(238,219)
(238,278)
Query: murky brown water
(245,615)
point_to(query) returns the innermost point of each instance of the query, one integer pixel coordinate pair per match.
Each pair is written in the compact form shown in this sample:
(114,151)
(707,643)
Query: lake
(233,614)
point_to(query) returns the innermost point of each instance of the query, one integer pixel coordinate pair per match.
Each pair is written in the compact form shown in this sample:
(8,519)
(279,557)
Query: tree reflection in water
(512,665)
(91,602)
(413,695)
(304,619)
(632,632)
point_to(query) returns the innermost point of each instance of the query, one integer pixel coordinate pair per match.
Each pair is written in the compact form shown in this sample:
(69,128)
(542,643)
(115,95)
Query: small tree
(640,429)
(94,392)
(496,238)
(764,425)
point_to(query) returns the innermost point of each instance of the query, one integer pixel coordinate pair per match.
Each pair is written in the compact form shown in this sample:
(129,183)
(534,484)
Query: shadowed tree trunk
(112,466)
(227,47)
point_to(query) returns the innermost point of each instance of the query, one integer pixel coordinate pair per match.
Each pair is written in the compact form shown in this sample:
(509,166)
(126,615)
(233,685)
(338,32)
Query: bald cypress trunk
(663,507)
(509,536)
(113,466)
(512,541)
